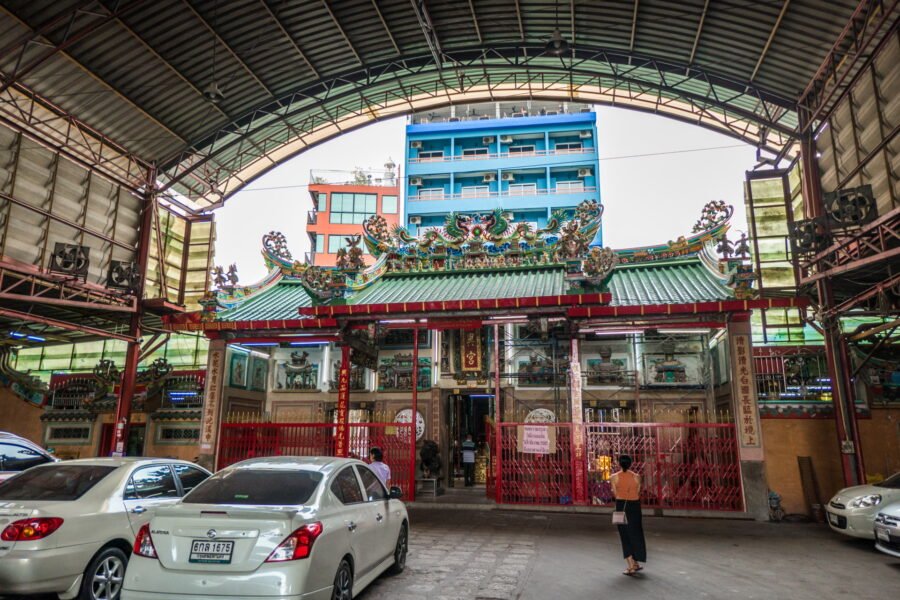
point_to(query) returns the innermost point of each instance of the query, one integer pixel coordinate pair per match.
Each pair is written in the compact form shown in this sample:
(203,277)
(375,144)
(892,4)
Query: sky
(655,176)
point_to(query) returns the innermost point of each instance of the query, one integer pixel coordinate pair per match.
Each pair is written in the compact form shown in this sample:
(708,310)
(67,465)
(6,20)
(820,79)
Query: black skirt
(632,533)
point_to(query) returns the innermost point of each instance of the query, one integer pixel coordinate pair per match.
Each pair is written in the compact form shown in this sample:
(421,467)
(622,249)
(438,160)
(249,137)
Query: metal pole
(842,391)
(118,440)
(415,416)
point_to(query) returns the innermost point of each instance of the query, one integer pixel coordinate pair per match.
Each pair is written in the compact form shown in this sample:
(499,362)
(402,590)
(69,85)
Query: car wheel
(104,575)
(400,551)
(343,582)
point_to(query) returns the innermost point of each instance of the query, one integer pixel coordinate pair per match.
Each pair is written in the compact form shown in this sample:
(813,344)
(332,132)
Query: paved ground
(504,555)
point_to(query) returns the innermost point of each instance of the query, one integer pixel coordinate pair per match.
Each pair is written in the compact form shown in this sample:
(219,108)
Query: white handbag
(619,518)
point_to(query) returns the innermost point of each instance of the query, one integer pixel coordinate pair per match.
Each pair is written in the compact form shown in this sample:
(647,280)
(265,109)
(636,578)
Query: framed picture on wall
(237,377)
(259,373)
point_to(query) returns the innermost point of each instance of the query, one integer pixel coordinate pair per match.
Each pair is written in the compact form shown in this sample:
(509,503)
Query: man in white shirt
(382,470)
(468,459)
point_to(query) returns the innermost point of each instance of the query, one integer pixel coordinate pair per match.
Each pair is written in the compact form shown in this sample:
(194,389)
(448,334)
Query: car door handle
(351,526)
(379,517)
(138,510)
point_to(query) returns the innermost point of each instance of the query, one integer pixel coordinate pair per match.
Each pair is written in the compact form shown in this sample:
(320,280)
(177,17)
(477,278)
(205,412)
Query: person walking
(626,486)
(376,463)
(468,459)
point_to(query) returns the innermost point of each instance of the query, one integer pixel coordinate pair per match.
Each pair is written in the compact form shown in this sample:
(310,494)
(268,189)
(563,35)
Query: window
(148,483)
(68,434)
(190,477)
(374,488)
(335,243)
(18,458)
(475,191)
(431,194)
(474,152)
(521,149)
(60,482)
(389,205)
(431,155)
(320,244)
(522,189)
(178,434)
(320,204)
(352,209)
(570,186)
(346,487)
(266,487)
(566,147)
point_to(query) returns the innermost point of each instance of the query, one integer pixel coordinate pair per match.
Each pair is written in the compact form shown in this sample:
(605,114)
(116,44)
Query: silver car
(68,527)
(285,528)
(18,454)
(887,530)
(852,510)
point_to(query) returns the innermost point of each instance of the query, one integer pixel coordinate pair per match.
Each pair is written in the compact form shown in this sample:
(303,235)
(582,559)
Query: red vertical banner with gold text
(342,437)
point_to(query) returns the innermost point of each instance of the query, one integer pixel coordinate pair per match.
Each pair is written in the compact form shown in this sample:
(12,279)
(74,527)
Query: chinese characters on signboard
(537,439)
(209,421)
(745,390)
(342,436)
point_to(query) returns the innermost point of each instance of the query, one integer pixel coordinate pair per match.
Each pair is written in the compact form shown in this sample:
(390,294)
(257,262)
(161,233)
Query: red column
(579,456)
(342,439)
(133,353)
(415,416)
(842,391)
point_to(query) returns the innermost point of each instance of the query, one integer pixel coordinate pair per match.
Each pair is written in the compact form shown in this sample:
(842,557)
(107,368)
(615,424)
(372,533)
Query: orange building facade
(339,210)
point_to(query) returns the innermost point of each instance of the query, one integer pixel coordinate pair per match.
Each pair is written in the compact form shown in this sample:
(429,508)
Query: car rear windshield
(55,482)
(260,487)
(892,482)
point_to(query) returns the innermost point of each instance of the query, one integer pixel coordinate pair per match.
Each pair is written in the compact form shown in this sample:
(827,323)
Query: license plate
(833,518)
(205,551)
(883,535)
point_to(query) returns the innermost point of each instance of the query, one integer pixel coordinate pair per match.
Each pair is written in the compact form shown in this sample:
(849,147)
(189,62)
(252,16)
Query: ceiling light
(557,46)
(213,92)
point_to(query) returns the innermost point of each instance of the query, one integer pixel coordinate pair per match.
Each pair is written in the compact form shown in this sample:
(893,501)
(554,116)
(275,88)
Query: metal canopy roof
(296,73)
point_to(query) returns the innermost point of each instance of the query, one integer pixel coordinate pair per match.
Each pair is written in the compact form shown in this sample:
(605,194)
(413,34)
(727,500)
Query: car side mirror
(396,493)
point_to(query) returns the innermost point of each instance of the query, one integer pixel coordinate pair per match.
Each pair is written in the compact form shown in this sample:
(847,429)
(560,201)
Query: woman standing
(626,486)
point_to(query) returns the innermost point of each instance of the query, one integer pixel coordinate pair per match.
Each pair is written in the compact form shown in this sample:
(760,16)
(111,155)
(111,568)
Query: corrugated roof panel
(672,283)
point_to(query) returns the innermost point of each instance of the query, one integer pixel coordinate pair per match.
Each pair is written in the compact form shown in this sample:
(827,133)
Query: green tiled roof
(281,301)
(470,285)
(665,283)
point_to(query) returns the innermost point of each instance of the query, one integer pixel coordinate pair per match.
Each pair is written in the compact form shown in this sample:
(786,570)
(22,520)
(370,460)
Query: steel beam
(32,318)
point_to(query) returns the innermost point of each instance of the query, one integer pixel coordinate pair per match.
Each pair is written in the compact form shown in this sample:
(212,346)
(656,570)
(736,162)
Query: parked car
(68,527)
(284,527)
(887,530)
(852,510)
(18,454)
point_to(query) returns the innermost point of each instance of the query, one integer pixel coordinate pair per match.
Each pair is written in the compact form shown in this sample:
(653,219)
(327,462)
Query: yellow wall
(787,439)
(20,417)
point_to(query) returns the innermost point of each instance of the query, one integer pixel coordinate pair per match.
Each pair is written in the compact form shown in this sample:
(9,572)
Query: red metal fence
(240,441)
(683,466)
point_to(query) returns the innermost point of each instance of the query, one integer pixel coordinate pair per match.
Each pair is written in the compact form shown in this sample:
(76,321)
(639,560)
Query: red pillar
(414,418)
(129,374)
(342,439)
(842,391)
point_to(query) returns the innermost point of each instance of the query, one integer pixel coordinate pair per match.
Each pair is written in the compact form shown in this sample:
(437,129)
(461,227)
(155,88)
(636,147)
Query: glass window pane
(58,483)
(389,205)
(346,487)
(190,477)
(151,482)
(374,488)
(266,487)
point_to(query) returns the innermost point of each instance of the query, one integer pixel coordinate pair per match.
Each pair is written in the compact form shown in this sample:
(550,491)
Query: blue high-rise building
(528,159)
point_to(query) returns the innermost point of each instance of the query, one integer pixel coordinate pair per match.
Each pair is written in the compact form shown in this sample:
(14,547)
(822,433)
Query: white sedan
(852,511)
(276,529)
(68,527)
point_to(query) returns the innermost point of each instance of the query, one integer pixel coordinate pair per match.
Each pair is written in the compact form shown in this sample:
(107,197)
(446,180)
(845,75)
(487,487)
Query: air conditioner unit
(415,220)
(584,134)
(487,140)
(506,139)
(416,144)
(415,181)
(584,172)
(508,177)
(489,177)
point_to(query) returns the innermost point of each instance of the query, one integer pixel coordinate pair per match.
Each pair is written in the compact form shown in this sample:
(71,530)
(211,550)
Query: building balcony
(431,197)
(312,217)
(501,161)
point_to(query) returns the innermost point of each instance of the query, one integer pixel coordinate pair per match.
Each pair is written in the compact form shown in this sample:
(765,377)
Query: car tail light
(28,530)
(143,543)
(297,545)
